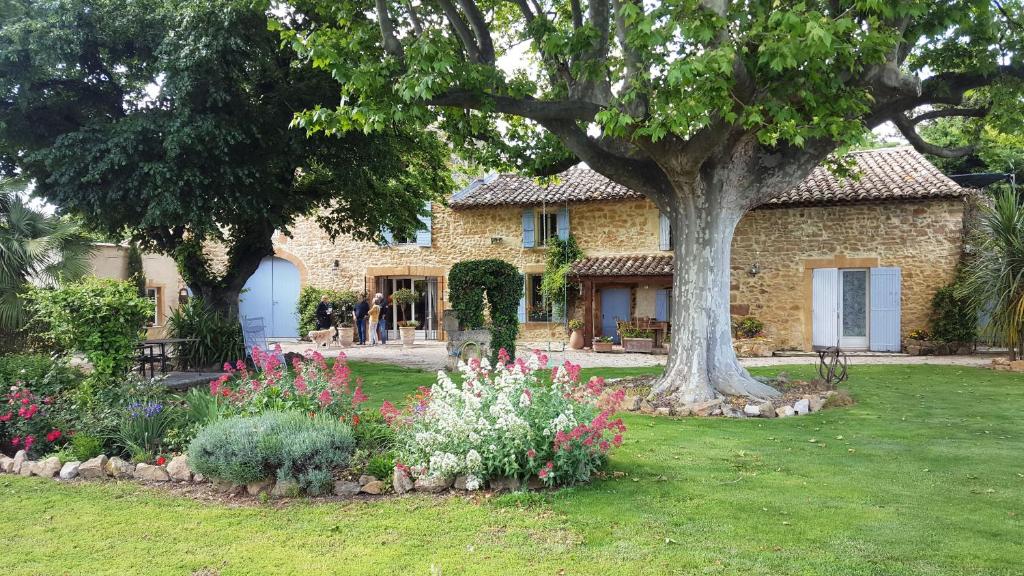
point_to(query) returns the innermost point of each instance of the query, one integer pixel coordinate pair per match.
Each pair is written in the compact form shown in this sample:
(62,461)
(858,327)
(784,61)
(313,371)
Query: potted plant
(637,339)
(407,328)
(602,344)
(576,334)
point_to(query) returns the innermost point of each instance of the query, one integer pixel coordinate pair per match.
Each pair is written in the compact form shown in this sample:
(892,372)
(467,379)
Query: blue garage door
(615,305)
(272,293)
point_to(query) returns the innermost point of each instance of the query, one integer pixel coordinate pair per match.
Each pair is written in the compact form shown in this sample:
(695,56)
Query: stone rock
(534,483)
(69,471)
(228,488)
(93,468)
(286,489)
(375,487)
(346,488)
(178,469)
(816,403)
(6,464)
(365,479)
(784,411)
(19,459)
(26,467)
(802,406)
(150,473)
(259,487)
(752,410)
(433,484)
(504,483)
(767,409)
(662,411)
(401,481)
(707,408)
(1017,365)
(118,468)
(646,407)
(198,478)
(681,410)
(631,403)
(460,482)
(47,468)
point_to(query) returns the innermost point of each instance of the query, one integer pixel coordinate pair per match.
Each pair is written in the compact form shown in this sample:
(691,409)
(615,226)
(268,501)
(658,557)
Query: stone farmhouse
(854,261)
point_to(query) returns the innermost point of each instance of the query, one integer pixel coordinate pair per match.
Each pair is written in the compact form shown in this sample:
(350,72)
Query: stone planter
(639,345)
(602,346)
(346,335)
(408,335)
(576,340)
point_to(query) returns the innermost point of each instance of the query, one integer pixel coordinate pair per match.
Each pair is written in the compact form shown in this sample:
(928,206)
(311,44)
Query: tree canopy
(170,120)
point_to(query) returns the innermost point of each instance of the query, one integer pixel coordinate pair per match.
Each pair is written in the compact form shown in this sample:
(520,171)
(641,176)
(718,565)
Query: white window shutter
(664,232)
(423,236)
(825,306)
(528,228)
(563,223)
(884,333)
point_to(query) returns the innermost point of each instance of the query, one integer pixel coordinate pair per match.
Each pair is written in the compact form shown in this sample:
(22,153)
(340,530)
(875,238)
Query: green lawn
(924,476)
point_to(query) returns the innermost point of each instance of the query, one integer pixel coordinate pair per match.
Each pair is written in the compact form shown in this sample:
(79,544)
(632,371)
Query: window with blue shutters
(664,232)
(529,230)
(423,235)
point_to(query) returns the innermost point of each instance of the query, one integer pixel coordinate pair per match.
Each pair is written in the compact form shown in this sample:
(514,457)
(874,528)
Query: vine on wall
(468,281)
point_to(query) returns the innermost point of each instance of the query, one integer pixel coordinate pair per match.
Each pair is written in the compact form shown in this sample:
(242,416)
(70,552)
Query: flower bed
(506,423)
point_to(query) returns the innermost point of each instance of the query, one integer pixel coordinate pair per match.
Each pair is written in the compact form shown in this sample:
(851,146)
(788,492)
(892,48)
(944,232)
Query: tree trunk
(702,363)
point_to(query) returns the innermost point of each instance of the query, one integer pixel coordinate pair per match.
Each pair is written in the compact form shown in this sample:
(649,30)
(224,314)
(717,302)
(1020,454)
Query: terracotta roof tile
(884,174)
(627,265)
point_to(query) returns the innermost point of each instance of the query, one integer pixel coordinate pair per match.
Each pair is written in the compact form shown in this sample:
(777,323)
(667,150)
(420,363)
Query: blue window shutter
(661,298)
(664,232)
(389,238)
(563,223)
(522,309)
(423,236)
(884,333)
(528,228)
(825,307)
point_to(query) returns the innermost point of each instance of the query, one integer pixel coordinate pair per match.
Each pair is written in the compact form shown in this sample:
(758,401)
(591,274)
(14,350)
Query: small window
(547,227)
(399,239)
(153,294)
(538,309)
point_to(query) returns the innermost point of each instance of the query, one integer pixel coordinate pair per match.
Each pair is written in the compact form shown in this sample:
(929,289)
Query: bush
(634,332)
(508,422)
(953,318)
(26,422)
(99,317)
(468,282)
(343,300)
(45,375)
(142,429)
(748,327)
(561,254)
(285,445)
(85,446)
(215,337)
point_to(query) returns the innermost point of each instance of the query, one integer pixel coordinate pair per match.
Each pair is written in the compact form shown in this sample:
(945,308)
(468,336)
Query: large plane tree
(169,121)
(708,107)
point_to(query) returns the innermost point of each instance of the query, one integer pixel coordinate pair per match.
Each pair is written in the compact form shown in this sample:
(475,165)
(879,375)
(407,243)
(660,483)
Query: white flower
(473,460)
(472,483)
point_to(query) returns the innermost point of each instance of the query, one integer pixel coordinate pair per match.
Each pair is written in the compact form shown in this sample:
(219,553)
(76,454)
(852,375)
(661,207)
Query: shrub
(634,332)
(142,429)
(953,318)
(99,317)
(508,422)
(45,375)
(314,388)
(285,445)
(748,327)
(575,324)
(381,465)
(85,446)
(215,338)
(468,281)
(373,434)
(26,422)
(343,300)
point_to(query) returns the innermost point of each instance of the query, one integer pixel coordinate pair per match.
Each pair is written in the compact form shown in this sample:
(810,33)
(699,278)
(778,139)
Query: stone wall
(923,238)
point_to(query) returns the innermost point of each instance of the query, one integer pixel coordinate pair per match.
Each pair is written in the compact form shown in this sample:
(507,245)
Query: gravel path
(431,355)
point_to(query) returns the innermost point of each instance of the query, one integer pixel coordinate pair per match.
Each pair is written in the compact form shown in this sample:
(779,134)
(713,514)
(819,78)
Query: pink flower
(358,397)
(617,440)
(325,397)
(300,384)
(53,435)
(388,412)
(6,417)
(29,441)
(531,453)
(16,441)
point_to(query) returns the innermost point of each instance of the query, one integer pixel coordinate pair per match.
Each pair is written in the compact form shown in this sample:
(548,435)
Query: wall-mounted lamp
(496,240)
(754,269)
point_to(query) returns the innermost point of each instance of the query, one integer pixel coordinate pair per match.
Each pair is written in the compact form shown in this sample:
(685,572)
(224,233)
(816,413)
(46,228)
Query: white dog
(324,337)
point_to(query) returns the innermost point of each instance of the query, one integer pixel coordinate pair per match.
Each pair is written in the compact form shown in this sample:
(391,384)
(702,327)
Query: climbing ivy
(468,281)
(560,257)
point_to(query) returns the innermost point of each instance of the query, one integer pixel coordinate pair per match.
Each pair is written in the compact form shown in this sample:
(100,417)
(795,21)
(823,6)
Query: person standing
(324,310)
(382,324)
(359,314)
(374,315)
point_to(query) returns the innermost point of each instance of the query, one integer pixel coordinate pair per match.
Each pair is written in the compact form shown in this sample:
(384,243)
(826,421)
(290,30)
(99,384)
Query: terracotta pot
(346,335)
(602,346)
(408,334)
(576,340)
(641,345)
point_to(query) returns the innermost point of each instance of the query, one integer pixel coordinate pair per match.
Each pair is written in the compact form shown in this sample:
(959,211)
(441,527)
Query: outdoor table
(147,350)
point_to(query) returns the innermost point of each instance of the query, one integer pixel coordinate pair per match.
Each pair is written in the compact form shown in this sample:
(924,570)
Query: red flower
(531,453)
(358,397)
(53,435)
(325,397)
(160,461)
(388,412)
(6,417)
(16,441)
(355,419)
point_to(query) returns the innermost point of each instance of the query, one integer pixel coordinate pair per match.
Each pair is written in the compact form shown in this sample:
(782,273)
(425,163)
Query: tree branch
(461,30)
(906,127)
(387,31)
(539,110)
(950,87)
(480,30)
(950,113)
(417,27)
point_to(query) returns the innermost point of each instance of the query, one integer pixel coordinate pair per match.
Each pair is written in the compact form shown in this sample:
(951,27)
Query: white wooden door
(854,307)
(825,306)
(885,310)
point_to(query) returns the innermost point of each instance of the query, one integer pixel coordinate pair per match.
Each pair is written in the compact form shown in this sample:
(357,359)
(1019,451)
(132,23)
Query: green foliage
(994,275)
(46,375)
(373,434)
(85,446)
(634,332)
(343,302)
(142,429)
(953,318)
(560,258)
(136,273)
(405,297)
(469,280)
(285,445)
(215,338)
(101,318)
(748,327)
(381,465)
(34,246)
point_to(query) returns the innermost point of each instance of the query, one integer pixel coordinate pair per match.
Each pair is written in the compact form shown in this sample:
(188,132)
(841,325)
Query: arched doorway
(272,292)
